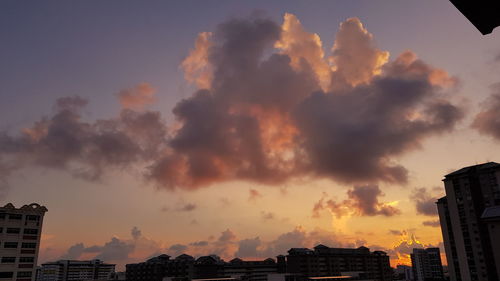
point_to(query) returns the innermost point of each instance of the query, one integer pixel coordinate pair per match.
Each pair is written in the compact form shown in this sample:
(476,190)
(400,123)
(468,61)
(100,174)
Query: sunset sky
(240,128)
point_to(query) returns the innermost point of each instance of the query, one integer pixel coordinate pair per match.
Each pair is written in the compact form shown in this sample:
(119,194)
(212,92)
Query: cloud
(302,46)
(403,249)
(227,236)
(266,216)
(361,201)
(199,243)
(425,203)
(432,223)
(177,249)
(74,252)
(137,97)
(196,66)
(270,107)
(355,57)
(248,247)
(136,233)
(487,121)
(188,207)
(114,250)
(395,232)
(86,149)
(254,195)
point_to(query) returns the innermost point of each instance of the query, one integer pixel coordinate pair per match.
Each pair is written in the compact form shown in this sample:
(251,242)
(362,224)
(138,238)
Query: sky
(240,128)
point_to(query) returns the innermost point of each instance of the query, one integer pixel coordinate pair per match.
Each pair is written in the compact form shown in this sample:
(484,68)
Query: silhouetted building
(20,232)
(161,266)
(250,270)
(403,273)
(491,217)
(73,270)
(467,227)
(185,267)
(426,264)
(324,262)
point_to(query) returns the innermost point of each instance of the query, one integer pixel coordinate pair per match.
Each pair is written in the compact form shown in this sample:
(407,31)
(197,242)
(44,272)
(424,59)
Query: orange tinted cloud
(137,97)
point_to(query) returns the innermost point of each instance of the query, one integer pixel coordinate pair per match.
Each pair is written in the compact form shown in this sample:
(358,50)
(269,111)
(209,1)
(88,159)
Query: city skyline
(157,128)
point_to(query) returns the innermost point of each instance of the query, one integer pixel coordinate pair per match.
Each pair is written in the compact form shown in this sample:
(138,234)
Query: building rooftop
(33,207)
(484,166)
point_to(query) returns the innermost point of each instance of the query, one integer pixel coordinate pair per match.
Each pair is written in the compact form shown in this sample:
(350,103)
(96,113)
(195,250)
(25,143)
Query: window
(23,274)
(33,231)
(2,215)
(5,274)
(32,217)
(15,216)
(28,245)
(1,229)
(13,230)
(10,245)
(8,259)
(27,259)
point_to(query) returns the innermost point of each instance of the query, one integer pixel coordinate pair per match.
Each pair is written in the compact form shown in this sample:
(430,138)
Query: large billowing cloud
(271,106)
(265,117)
(487,121)
(361,201)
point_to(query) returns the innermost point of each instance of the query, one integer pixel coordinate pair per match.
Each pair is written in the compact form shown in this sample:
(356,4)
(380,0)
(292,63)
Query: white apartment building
(20,231)
(72,270)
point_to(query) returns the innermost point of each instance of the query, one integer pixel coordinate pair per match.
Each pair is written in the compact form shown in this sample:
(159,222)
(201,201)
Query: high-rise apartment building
(469,220)
(20,231)
(72,270)
(426,264)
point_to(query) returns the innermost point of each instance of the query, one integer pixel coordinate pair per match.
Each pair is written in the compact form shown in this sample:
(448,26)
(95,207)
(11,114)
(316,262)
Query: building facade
(20,232)
(250,270)
(155,269)
(72,270)
(324,262)
(185,267)
(470,248)
(426,264)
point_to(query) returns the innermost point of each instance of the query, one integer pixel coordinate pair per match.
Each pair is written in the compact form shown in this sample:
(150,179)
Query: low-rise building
(73,270)
(324,261)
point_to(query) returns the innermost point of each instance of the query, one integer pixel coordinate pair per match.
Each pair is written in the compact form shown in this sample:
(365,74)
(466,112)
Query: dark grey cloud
(114,250)
(432,223)
(226,236)
(74,252)
(487,121)
(361,201)
(248,248)
(188,207)
(349,134)
(177,249)
(425,203)
(65,141)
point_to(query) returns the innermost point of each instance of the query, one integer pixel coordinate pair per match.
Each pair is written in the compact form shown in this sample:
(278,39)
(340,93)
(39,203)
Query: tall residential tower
(468,215)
